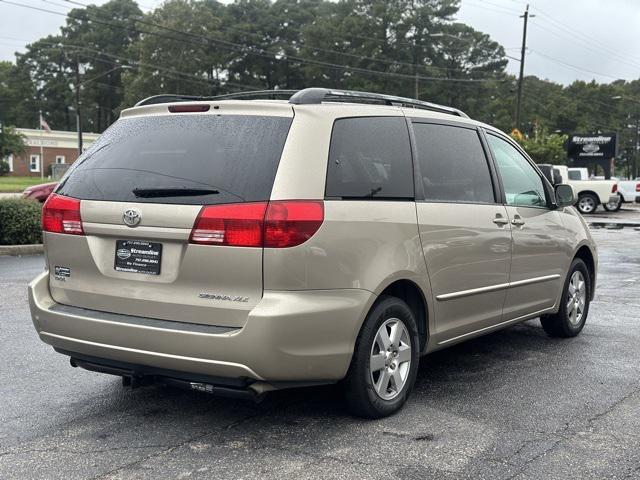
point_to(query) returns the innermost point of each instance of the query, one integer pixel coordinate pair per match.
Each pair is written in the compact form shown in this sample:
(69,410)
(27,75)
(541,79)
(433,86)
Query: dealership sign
(592,147)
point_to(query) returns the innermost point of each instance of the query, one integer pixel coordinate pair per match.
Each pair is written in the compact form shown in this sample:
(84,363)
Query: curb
(613,225)
(16,250)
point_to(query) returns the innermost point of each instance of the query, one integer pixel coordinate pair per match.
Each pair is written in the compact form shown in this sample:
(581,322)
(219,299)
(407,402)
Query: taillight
(291,222)
(277,224)
(235,224)
(614,189)
(637,187)
(62,215)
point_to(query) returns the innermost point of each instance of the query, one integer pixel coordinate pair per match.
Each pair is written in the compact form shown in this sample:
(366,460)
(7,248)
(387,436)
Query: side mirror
(565,195)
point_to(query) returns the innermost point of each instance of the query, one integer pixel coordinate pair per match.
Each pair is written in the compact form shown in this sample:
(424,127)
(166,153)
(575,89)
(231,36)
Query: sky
(567,39)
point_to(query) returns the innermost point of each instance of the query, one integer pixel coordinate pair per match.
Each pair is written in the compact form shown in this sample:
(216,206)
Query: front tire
(587,203)
(385,360)
(574,304)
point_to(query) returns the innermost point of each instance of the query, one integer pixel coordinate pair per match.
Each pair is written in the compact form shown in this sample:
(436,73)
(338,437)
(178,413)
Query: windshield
(181,159)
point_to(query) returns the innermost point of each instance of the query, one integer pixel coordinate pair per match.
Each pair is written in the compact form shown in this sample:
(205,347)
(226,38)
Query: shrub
(20,222)
(4,168)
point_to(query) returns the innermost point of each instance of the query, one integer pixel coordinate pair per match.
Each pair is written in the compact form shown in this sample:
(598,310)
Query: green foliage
(545,148)
(11,142)
(20,222)
(4,168)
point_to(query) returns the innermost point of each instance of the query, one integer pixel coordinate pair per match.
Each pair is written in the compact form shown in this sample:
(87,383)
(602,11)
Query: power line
(337,52)
(586,38)
(583,44)
(574,67)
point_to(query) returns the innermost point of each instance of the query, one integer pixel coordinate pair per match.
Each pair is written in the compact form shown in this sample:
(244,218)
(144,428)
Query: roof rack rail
(310,96)
(168,98)
(268,94)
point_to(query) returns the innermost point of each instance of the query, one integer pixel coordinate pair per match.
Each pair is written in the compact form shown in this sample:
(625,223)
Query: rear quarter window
(227,158)
(370,158)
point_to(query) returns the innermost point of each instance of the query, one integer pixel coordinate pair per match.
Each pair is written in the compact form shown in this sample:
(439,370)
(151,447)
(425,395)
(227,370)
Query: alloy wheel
(587,204)
(576,298)
(390,359)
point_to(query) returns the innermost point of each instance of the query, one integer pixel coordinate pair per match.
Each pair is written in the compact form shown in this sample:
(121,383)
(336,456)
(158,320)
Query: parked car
(242,246)
(629,190)
(39,192)
(591,193)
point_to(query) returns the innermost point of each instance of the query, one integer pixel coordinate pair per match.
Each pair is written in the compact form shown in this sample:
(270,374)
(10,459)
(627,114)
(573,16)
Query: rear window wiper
(153,192)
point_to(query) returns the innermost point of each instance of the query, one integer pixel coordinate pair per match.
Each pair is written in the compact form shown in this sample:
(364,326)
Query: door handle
(517,220)
(500,220)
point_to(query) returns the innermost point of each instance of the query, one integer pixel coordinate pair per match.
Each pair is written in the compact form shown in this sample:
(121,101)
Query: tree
(168,61)
(17,99)
(98,38)
(11,143)
(544,147)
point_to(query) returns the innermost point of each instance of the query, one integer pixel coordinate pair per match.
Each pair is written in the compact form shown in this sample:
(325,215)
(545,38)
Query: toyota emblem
(132,217)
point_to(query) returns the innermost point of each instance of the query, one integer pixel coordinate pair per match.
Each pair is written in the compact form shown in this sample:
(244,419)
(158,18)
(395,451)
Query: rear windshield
(181,159)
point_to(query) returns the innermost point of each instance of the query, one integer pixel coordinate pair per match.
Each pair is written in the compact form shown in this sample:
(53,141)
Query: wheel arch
(413,295)
(590,192)
(586,255)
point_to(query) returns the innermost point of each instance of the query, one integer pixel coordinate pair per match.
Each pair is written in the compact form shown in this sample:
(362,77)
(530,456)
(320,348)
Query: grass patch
(18,184)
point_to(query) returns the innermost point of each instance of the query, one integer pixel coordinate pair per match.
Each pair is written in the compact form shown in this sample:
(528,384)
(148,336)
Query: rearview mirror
(565,195)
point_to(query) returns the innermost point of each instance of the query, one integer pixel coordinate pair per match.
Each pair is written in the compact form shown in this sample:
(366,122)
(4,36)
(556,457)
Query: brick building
(57,147)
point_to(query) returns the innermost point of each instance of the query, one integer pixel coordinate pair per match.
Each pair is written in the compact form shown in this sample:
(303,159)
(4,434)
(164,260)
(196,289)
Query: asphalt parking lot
(513,404)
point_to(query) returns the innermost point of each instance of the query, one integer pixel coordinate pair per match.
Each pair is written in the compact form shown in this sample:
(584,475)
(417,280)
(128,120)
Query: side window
(522,184)
(453,165)
(370,157)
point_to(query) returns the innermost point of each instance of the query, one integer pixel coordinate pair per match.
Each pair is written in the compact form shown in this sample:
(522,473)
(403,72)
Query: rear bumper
(290,336)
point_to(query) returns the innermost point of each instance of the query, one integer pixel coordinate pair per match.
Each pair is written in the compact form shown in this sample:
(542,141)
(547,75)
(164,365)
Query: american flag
(44,124)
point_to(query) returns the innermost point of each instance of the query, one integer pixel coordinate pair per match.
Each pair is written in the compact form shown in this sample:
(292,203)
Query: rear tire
(574,303)
(385,360)
(587,203)
(613,207)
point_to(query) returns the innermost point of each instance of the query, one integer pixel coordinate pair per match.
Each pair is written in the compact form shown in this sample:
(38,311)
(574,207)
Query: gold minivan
(237,246)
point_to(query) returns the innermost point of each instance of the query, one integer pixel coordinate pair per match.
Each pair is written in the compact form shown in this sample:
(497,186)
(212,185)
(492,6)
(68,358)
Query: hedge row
(20,221)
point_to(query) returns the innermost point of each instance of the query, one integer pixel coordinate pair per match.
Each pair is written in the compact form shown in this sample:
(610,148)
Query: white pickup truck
(591,193)
(629,190)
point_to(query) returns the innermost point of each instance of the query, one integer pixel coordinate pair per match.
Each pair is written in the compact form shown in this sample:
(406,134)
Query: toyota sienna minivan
(237,246)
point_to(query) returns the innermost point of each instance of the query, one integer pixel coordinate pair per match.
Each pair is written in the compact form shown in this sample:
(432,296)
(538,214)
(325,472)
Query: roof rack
(168,98)
(310,96)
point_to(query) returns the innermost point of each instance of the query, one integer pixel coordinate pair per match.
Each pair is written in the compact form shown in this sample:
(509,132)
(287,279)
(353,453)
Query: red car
(39,192)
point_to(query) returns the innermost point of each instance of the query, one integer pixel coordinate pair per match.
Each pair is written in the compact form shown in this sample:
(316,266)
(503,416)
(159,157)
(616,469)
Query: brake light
(188,108)
(62,215)
(637,187)
(614,189)
(290,223)
(277,224)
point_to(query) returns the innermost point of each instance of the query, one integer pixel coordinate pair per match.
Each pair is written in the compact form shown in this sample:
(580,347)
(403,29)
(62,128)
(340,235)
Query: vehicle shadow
(485,362)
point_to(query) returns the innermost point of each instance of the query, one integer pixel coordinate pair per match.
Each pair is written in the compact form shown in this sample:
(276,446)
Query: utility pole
(78,114)
(416,83)
(526,17)
(636,153)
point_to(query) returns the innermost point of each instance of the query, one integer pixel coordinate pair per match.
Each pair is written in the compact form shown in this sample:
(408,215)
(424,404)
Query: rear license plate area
(138,256)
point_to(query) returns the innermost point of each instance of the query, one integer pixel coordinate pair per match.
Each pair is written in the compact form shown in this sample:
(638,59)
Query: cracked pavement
(511,405)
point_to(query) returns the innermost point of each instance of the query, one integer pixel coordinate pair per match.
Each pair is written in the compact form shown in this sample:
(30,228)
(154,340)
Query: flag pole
(41,149)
